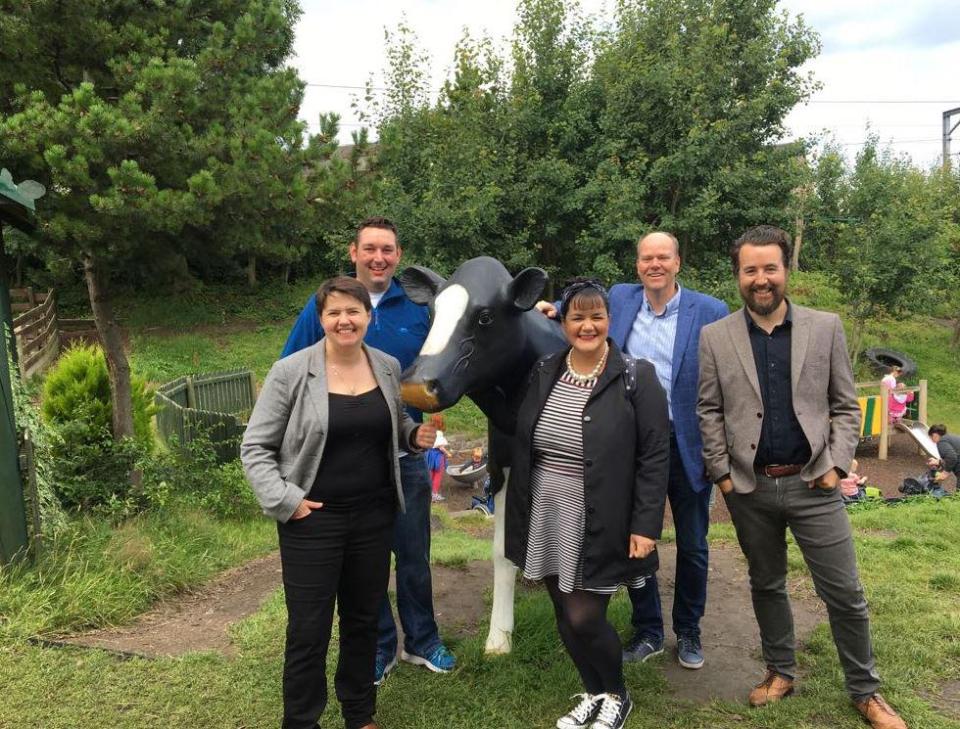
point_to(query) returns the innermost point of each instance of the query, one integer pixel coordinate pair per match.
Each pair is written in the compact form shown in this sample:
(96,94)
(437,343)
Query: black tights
(591,641)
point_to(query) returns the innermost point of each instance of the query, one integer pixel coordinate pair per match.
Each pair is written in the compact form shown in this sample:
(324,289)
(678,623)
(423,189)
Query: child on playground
(853,486)
(898,399)
(437,458)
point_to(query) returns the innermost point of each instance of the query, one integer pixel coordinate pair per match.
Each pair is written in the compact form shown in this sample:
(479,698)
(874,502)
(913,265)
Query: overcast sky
(880,54)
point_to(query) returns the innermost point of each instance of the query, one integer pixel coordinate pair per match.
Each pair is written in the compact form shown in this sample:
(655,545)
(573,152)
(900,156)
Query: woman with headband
(586,495)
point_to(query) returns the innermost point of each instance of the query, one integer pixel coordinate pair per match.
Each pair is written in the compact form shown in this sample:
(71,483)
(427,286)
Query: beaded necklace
(594,373)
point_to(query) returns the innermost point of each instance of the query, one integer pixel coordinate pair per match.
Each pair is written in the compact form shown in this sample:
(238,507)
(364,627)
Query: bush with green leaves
(89,468)
(193,473)
(77,388)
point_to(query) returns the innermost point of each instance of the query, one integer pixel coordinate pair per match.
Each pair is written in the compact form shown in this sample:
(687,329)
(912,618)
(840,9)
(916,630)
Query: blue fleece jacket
(398,327)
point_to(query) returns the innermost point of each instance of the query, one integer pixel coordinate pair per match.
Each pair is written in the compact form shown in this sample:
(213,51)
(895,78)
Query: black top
(355,467)
(781,438)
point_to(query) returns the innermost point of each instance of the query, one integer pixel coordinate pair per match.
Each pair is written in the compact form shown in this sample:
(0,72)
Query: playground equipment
(876,421)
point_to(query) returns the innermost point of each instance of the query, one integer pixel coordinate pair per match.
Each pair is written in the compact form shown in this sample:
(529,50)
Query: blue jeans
(411,547)
(691,520)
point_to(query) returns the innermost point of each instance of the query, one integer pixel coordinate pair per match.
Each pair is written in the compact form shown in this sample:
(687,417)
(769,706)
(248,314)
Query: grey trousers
(821,528)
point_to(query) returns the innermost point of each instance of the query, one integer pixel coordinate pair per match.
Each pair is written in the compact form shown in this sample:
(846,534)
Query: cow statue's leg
(499,640)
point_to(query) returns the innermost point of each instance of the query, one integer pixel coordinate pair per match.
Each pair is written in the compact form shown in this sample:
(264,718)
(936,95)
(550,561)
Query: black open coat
(626,447)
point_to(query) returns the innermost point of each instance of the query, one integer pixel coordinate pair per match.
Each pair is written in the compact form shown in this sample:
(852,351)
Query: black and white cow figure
(484,338)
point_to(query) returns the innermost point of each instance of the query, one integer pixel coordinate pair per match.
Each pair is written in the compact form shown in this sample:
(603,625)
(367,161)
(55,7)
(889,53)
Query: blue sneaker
(440,661)
(689,651)
(642,648)
(382,667)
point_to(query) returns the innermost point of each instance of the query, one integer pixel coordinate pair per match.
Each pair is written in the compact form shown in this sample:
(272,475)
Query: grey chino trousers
(821,528)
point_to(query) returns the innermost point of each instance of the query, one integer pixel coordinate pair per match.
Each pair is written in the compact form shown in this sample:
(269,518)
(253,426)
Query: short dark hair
(938,429)
(762,235)
(583,293)
(378,221)
(343,285)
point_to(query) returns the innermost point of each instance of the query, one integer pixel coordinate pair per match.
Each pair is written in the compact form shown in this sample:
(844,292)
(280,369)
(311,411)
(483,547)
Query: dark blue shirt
(782,441)
(397,326)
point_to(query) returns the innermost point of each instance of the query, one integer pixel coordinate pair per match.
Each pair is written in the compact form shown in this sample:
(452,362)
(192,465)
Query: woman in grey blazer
(321,451)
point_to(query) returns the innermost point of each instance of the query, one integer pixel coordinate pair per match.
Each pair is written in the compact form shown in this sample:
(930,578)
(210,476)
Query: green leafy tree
(164,128)
(892,248)
(566,153)
(694,94)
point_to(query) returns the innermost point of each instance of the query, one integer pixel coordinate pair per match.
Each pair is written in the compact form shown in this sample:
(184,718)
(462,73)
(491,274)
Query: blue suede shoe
(382,667)
(440,661)
(689,651)
(642,648)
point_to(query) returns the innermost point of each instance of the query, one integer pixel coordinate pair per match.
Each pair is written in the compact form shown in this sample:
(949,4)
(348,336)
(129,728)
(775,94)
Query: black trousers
(343,557)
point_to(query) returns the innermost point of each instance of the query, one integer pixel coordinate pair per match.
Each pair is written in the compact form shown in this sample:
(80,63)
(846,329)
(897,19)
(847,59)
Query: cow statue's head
(483,332)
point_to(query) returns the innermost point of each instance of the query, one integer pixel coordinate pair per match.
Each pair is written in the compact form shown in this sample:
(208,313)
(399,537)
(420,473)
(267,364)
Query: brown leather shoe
(879,713)
(772,688)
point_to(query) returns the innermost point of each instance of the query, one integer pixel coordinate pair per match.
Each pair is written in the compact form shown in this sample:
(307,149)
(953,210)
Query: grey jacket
(731,409)
(283,444)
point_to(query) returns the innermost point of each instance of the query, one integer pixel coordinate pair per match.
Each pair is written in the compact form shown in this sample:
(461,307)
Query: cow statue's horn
(419,396)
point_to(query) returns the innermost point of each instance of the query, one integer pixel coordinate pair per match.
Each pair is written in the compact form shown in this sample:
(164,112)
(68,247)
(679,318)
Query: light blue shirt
(651,338)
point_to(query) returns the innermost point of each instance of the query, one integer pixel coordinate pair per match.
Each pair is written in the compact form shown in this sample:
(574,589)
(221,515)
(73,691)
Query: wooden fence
(216,405)
(35,328)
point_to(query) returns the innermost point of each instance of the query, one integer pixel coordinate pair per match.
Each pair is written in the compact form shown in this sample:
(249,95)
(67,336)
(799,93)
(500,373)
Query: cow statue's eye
(485,319)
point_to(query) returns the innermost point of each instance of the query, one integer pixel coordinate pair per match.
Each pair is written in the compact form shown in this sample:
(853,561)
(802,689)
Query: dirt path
(199,621)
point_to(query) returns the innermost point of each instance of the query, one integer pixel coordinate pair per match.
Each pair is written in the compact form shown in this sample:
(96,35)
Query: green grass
(908,562)
(97,574)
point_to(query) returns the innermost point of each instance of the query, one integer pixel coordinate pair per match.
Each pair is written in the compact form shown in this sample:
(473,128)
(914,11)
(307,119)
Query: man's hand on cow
(426,436)
(547,309)
(828,481)
(725,485)
(641,546)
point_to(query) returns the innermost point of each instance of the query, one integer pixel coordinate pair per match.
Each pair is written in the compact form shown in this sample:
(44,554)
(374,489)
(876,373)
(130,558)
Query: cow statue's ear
(526,288)
(421,284)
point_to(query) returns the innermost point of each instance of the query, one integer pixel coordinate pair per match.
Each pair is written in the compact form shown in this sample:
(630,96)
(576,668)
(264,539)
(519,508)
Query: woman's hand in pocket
(305,508)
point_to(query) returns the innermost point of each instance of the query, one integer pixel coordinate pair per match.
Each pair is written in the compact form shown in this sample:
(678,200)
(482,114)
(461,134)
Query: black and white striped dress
(555,539)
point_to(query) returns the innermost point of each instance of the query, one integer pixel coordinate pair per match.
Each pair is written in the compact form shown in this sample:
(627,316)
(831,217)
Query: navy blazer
(696,311)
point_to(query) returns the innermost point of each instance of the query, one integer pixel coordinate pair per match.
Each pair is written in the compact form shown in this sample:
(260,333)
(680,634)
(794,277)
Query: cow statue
(483,340)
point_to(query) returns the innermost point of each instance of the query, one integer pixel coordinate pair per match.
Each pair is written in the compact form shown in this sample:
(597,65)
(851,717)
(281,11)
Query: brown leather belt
(777,470)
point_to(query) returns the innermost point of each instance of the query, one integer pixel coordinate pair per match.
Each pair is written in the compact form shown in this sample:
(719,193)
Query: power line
(879,101)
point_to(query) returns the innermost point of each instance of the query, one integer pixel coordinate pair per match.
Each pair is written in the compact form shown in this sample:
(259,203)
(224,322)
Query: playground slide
(918,431)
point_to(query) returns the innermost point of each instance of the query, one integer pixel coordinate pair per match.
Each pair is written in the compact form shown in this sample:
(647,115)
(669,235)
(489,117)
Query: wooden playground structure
(876,417)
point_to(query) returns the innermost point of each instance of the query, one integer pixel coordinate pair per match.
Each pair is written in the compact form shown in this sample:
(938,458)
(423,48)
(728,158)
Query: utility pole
(947,131)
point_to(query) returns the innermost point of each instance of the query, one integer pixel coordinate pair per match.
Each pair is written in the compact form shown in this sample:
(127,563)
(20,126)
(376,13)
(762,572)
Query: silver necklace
(352,387)
(594,373)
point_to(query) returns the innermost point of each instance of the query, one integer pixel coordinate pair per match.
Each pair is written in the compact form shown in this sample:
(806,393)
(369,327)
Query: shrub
(193,474)
(77,388)
(89,468)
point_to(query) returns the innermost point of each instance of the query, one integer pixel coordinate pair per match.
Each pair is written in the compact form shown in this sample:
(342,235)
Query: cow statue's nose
(421,395)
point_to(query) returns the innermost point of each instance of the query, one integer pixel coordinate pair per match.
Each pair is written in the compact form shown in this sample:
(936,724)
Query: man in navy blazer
(660,321)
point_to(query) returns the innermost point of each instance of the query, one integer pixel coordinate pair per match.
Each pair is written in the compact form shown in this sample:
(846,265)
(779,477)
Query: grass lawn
(908,559)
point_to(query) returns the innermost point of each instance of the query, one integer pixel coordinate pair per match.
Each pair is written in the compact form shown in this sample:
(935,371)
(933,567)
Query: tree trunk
(856,340)
(286,272)
(797,242)
(252,271)
(117,365)
(956,333)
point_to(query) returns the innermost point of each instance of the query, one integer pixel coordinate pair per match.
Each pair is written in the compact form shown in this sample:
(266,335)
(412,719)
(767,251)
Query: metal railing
(215,405)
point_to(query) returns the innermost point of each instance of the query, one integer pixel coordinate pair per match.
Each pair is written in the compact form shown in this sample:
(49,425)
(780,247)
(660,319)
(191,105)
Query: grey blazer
(731,410)
(284,440)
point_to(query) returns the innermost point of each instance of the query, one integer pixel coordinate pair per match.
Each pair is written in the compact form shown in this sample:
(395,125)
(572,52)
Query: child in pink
(898,399)
(851,486)
(437,458)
